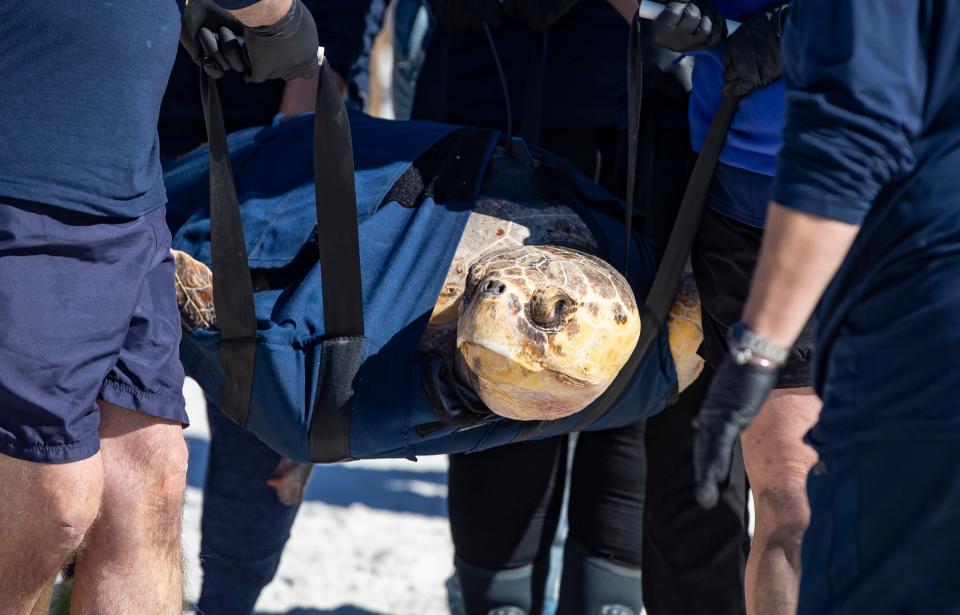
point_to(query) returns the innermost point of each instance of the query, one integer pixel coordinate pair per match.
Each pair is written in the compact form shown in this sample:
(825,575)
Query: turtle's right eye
(549,306)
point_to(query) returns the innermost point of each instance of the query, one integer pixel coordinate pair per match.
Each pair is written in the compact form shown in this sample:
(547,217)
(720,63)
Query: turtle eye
(549,307)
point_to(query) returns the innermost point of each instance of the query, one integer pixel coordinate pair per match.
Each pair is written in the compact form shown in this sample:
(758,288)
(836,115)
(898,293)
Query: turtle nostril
(493,287)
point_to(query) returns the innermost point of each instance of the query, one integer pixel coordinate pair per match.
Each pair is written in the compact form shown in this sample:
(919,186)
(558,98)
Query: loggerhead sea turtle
(536,325)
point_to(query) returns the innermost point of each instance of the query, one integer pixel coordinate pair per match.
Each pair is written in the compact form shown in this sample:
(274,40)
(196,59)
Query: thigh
(607,491)
(244,527)
(144,459)
(504,503)
(882,537)
(724,256)
(68,287)
(243,518)
(147,376)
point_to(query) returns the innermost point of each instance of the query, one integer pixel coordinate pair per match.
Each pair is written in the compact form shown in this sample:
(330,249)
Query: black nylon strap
(653,314)
(634,100)
(338,234)
(232,287)
(339,256)
(339,244)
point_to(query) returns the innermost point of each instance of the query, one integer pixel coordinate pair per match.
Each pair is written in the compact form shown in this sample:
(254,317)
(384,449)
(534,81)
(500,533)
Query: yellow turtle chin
(516,389)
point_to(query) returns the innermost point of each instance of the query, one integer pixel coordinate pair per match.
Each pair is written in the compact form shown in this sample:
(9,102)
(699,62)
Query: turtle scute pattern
(685,332)
(194,282)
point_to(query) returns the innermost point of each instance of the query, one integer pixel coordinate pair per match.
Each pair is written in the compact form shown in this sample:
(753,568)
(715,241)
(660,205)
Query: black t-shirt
(79,99)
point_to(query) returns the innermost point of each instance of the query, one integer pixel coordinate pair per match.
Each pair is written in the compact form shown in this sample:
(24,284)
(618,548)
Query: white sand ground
(371,539)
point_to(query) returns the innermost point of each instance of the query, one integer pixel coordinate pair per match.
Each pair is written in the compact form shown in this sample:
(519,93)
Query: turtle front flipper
(194,292)
(685,332)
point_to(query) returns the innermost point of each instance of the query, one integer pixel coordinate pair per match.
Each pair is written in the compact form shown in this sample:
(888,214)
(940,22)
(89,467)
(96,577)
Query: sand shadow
(422,493)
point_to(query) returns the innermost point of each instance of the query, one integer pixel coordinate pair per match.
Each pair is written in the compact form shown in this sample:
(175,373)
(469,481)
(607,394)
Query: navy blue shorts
(88,311)
(883,535)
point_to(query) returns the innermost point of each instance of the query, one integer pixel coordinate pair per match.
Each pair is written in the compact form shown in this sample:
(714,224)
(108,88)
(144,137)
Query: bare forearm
(263,13)
(627,8)
(800,255)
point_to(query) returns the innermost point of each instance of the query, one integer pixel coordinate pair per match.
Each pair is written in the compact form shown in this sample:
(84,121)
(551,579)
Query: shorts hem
(121,394)
(53,453)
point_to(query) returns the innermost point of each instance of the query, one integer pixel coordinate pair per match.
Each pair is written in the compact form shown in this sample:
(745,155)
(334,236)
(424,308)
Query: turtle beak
(495,364)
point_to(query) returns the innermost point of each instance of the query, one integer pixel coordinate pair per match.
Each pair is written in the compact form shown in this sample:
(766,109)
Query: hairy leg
(131,562)
(45,512)
(777,463)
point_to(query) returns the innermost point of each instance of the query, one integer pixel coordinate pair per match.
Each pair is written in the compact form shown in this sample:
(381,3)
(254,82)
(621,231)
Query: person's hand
(538,14)
(752,56)
(736,395)
(690,25)
(284,50)
(467,14)
(210,35)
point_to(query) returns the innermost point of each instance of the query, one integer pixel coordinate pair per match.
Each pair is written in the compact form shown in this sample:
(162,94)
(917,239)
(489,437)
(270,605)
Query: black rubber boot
(512,591)
(592,584)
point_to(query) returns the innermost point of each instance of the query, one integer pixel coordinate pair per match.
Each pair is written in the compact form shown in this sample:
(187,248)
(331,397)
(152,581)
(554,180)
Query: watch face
(742,356)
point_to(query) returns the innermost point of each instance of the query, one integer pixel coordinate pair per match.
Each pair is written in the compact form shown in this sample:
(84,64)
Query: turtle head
(544,330)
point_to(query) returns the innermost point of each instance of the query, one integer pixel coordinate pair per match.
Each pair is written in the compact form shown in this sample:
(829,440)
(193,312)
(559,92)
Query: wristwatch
(747,346)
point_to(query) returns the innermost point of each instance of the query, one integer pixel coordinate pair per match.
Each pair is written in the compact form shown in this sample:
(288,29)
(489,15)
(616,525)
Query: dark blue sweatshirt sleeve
(856,77)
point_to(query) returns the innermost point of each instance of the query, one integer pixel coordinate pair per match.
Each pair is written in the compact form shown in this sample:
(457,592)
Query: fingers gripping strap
(232,287)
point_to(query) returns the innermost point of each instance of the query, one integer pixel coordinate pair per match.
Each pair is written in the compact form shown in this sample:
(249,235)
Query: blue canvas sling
(321,385)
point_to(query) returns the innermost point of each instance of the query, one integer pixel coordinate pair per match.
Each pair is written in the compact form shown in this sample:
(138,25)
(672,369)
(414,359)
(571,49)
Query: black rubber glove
(736,395)
(285,50)
(689,26)
(467,14)
(752,56)
(209,34)
(538,14)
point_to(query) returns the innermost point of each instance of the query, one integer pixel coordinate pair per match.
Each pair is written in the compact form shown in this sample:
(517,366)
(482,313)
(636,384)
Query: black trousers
(631,500)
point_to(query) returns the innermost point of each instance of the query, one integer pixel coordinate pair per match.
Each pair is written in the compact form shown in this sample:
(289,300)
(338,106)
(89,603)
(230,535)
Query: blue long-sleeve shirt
(872,138)
(755,137)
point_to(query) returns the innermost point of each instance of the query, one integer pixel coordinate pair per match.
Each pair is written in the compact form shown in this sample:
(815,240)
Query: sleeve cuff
(233,5)
(815,200)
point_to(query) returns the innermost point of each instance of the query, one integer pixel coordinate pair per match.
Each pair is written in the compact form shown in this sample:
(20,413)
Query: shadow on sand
(405,491)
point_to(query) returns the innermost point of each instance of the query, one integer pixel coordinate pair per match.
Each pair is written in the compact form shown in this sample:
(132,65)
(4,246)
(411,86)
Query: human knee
(165,473)
(150,473)
(782,514)
(66,508)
